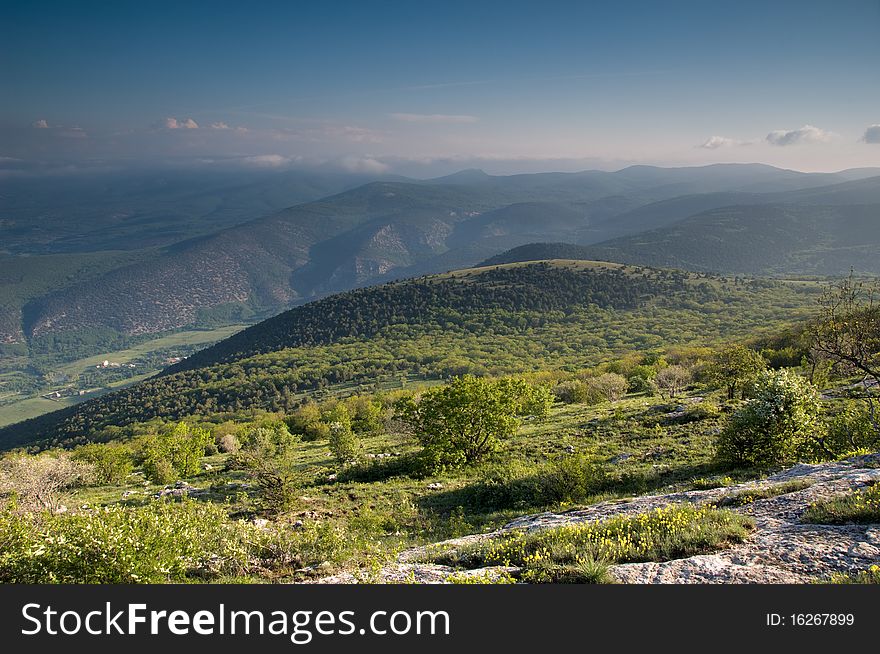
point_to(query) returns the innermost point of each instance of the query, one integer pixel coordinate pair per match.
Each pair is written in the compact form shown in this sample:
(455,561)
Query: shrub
(269,439)
(851,429)
(734,367)
(467,419)
(112,462)
(508,485)
(700,411)
(607,387)
(158,469)
(343,442)
(277,482)
(228,444)
(638,384)
(571,392)
(572,478)
(175,452)
(672,380)
(306,421)
(775,425)
(37,482)
(367,415)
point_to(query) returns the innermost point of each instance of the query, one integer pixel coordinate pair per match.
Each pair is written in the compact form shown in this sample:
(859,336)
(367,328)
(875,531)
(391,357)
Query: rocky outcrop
(781,549)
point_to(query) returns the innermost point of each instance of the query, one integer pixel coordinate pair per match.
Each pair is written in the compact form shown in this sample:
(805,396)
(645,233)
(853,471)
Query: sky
(425,87)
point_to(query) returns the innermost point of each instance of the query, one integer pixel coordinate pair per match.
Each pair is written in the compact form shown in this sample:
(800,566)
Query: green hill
(765,239)
(498,319)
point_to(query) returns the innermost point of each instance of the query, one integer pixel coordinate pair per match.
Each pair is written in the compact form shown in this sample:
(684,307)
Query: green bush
(850,430)
(572,478)
(269,438)
(343,441)
(469,418)
(700,411)
(644,385)
(367,415)
(778,423)
(175,452)
(112,462)
(307,421)
(607,387)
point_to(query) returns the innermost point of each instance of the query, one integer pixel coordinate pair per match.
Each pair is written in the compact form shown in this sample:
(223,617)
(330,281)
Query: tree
(467,419)
(672,380)
(343,442)
(847,332)
(277,481)
(175,452)
(734,367)
(779,422)
(112,462)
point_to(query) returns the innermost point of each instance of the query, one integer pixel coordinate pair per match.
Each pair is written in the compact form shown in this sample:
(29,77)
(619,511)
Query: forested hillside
(489,320)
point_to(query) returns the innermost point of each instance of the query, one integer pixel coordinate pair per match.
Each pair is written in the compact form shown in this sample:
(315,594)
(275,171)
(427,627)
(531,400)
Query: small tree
(343,441)
(467,419)
(672,380)
(367,415)
(778,423)
(277,482)
(112,462)
(306,420)
(175,452)
(847,332)
(734,367)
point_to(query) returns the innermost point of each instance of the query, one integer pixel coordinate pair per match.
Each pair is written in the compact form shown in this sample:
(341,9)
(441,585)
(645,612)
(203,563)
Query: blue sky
(410,86)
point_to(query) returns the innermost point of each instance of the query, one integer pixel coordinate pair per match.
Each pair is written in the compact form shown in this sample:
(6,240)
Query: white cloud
(266,160)
(174,123)
(219,125)
(872,134)
(363,165)
(434,118)
(715,142)
(40,124)
(806,134)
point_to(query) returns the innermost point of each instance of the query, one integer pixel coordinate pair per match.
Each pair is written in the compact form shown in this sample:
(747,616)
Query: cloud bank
(715,142)
(872,134)
(174,123)
(806,134)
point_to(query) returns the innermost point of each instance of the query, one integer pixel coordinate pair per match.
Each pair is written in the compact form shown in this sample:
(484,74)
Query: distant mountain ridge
(387,230)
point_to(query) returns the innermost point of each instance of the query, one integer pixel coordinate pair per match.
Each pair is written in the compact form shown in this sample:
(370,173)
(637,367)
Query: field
(22,405)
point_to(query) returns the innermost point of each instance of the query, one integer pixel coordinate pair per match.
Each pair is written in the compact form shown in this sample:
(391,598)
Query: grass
(385,505)
(857,507)
(869,576)
(744,497)
(582,552)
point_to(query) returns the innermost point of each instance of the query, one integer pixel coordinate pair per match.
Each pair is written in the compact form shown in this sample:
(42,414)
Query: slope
(499,319)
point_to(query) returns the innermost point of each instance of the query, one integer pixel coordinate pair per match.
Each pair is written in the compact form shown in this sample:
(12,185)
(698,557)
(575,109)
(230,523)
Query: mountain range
(397,228)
